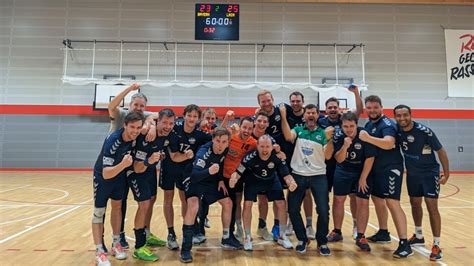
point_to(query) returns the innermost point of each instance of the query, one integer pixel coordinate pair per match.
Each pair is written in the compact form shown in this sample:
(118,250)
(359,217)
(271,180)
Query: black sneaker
(414,241)
(363,244)
(231,243)
(380,237)
(106,251)
(185,256)
(123,241)
(301,246)
(403,251)
(324,250)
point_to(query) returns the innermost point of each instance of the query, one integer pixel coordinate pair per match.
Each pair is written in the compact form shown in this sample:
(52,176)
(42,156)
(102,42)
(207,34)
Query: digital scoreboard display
(217,22)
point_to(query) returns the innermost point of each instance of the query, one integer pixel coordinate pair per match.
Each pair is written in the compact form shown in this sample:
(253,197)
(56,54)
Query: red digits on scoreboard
(232,8)
(208,8)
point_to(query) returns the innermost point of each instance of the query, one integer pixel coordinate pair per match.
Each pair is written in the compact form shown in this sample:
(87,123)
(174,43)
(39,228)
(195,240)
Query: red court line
(18,109)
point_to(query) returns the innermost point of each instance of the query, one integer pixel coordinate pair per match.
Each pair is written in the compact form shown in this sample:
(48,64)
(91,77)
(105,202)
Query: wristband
(146,162)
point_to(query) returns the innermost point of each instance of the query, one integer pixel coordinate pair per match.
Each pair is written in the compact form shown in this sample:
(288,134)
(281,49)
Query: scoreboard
(217,22)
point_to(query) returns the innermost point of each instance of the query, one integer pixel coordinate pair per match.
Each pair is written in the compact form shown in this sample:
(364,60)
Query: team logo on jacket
(192,141)
(134,143)
(357,146)
(307,151)
(277,118)
(410,138)
(271,165)
(167,142)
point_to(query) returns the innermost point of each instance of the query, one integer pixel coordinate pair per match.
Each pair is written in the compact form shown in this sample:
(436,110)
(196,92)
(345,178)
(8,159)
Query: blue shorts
(387,182)
(171,179)
(105,189)
(143,185)
(271,188)
(345,182)
(423,186)
(207,192)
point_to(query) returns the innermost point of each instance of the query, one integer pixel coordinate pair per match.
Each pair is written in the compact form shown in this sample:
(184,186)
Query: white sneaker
(263,233)
(172,244)
(207,224)
(310,233)
(354,232)
(248,246)
(101,259)
(239,234)
(285,242)
(118,251)
(289,229)
(199,239)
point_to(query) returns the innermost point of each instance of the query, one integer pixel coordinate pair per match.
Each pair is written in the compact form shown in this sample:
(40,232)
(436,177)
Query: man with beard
(294,116)
(205,182)
(109,182)
(144,182)
(385,180)
(418,143)
(258,168)
(183,145)
(333,118)
(312,146)
(355,159)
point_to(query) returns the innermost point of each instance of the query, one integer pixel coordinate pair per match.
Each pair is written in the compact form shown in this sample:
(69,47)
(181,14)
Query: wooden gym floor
(45,219)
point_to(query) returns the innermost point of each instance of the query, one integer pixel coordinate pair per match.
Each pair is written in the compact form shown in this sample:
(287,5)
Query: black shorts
(271,188)
(205,191)
(345,182)
(387,183)
(105,189)
(423,186)
(238,188)
(143,185)
(171,179)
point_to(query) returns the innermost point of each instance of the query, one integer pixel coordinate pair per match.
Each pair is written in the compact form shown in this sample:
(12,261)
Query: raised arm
(115,103)
(289,134)
(359,106)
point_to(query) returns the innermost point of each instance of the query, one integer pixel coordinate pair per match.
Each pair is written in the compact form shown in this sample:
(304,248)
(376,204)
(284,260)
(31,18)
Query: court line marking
(423,251)
(11,189)
(31,217)
(42,223)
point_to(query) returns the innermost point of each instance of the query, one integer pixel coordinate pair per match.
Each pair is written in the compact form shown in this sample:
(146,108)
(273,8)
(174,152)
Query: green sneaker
(152,240)
(144,253)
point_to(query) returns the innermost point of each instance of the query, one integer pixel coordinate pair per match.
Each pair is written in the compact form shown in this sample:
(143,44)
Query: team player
(333,118)
(258,168)
(184,143)
(418,144)
(143,183)
(117,116)
(355,159)
(109,182)
(206,182)
(208,120)
(312,146)
(385,180)
(294,116)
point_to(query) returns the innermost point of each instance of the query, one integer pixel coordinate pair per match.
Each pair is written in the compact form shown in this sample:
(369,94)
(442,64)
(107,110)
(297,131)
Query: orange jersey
(237,149)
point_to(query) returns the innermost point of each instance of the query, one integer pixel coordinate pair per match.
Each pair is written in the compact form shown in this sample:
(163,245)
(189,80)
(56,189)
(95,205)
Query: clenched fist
(364,136)
(214,169)
(347,142)
(127,160)
(189,154)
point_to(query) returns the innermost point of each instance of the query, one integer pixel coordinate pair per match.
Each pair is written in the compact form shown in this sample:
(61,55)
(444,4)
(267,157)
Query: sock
(419,232)
(225,233)
(436,241)
(188,231)
(238,222)
(403,242)
(282,230)
(115,239)
(276,222)
(140,237)
(261,223)
(247,233)
(171,231)
(360,235)
(338,231)
(99,248)
(354,223)
(309,221)
(147,232)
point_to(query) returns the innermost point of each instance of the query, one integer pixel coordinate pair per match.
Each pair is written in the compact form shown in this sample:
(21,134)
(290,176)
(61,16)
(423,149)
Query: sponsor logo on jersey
(201,163)
(271,165)
(107,161)
(167,142)
(318,137)
(141,155)
(410,138)
(357,146)
(192,141)
(277,118)
(134,143)
(307,151)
